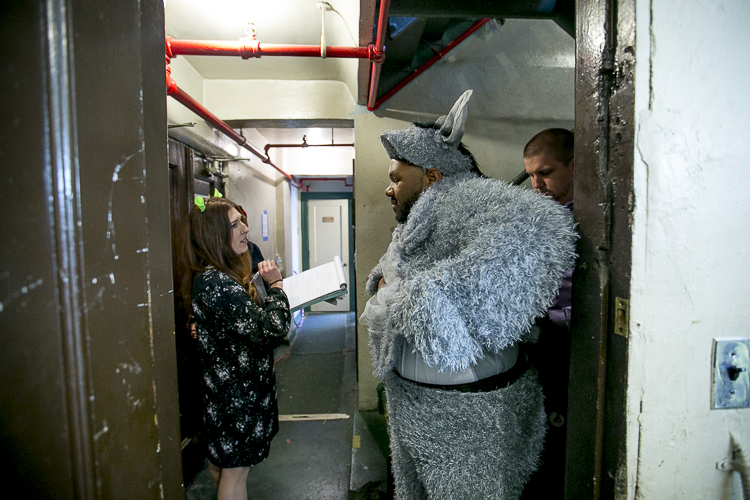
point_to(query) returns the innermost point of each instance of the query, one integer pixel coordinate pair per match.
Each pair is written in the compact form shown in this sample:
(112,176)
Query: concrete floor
(332,458)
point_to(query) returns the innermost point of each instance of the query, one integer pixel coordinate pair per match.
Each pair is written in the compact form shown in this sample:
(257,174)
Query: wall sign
(264,225)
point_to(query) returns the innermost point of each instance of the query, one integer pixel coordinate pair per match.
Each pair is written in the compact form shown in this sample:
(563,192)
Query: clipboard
(326,282)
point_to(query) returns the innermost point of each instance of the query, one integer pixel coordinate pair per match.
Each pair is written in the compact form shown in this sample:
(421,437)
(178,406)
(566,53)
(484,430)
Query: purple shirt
(559,311)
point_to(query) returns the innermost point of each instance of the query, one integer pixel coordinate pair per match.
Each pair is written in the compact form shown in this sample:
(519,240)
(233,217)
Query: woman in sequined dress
(237,332)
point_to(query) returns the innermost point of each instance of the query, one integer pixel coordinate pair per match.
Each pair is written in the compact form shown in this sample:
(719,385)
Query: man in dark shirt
(548,158)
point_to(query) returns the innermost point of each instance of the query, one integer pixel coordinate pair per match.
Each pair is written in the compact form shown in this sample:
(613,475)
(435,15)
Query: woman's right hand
(270,273)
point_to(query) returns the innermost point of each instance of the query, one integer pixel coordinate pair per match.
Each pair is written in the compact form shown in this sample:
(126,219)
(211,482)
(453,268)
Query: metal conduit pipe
(183,98)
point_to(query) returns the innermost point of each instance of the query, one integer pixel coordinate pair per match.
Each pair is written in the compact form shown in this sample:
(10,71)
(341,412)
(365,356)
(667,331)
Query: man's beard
(403,214)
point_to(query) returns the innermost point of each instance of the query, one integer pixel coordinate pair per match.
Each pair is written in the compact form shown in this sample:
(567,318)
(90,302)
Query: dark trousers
(551,357)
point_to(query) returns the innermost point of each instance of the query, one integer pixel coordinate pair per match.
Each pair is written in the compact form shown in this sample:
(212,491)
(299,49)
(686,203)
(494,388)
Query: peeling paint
(132,368)
(110,220)
(102,432)
(24,290)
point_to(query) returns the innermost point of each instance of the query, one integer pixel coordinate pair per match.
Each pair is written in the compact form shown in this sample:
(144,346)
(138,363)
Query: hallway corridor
(324,448)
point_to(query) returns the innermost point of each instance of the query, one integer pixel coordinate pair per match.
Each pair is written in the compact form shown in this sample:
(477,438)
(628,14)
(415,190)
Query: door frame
(305,230)
(596,462)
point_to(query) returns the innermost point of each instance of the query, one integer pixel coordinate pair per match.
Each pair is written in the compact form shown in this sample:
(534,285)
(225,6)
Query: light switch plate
(730,380)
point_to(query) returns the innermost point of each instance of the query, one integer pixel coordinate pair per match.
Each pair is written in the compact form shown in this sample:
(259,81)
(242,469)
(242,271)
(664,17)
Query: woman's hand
(270,273)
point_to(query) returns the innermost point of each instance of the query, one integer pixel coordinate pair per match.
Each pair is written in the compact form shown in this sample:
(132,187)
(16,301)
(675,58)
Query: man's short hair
(556,141)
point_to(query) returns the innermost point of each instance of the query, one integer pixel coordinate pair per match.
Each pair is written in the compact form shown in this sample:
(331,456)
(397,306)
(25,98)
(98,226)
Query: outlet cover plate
(730,380)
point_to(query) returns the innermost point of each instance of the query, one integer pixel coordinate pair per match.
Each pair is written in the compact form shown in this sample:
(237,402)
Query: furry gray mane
(479,260)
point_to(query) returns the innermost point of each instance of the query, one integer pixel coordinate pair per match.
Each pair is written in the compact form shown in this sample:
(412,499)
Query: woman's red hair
(209,244)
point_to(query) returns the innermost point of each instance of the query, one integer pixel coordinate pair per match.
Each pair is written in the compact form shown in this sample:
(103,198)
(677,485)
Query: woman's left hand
(270,273)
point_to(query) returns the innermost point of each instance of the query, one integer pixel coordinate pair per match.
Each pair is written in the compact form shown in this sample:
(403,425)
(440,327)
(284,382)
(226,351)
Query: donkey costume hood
(428,147)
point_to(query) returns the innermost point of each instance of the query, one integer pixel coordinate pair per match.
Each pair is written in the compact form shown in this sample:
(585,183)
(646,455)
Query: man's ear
(433,176)
(570,164)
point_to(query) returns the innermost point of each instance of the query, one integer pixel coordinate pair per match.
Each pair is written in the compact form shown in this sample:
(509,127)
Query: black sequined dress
(236,339)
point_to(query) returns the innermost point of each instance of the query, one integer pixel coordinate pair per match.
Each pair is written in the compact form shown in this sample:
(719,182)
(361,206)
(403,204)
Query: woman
(237,333)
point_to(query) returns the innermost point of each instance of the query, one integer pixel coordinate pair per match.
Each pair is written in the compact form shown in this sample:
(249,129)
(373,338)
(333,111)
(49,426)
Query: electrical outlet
(730,381)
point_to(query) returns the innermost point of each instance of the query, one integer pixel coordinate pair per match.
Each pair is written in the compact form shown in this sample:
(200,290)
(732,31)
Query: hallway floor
(325,448)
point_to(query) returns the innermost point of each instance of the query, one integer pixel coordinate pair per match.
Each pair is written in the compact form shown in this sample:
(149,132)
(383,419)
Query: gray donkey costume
(476,262)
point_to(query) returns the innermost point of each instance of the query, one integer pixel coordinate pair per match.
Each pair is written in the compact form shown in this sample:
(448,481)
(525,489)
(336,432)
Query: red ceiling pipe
(178,94)
(438,55)
(304,145)
(385,6)
(249,47)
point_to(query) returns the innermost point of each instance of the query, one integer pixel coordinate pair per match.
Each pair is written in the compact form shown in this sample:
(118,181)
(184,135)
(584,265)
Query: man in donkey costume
(472,264)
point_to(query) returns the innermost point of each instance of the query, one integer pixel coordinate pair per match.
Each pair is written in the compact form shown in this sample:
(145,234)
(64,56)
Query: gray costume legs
(452,445)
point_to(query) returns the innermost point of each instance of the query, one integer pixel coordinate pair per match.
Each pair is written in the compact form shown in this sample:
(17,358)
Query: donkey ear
(453,124)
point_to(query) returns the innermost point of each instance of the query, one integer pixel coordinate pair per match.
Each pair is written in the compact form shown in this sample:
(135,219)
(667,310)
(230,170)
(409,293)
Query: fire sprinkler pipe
(250,47)
(305,145)
(385,6)
(183,98)
(438,55)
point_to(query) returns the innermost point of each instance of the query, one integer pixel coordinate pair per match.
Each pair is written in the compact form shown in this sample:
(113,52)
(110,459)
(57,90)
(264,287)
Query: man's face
(407,183)
(550,176)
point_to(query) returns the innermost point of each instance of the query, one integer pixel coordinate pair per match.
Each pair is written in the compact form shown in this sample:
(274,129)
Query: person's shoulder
(255,254)
(212,275)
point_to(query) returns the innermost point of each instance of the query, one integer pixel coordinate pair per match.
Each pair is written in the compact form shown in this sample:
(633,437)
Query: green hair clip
(200,203)
(217,194)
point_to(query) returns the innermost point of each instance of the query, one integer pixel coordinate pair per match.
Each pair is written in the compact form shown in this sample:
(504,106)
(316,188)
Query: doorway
(327,230)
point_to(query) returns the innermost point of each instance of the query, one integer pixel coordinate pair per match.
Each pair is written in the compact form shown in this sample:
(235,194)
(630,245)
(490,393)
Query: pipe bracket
(375,55)
(249,47)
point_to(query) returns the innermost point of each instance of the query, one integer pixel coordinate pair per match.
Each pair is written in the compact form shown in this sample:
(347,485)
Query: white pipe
(323,6)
